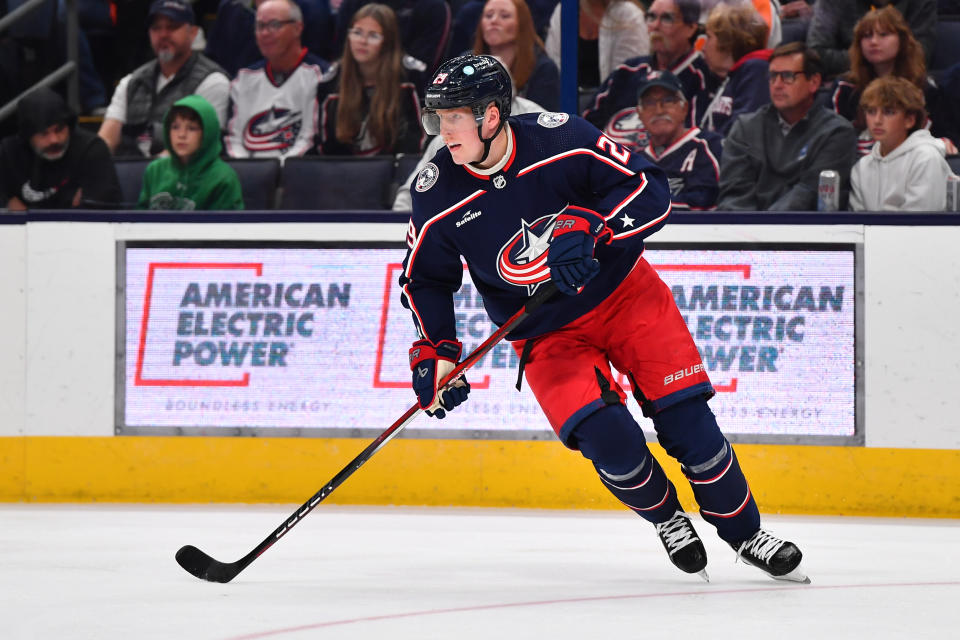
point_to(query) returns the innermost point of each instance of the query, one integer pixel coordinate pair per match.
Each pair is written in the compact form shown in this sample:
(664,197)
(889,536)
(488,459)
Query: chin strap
(487,141)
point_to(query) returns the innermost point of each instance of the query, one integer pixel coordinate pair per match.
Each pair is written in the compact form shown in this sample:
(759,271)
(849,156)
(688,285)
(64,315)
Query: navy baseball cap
(663,79)
(176,10)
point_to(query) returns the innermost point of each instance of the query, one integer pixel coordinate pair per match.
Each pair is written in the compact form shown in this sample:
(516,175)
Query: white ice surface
(107,571)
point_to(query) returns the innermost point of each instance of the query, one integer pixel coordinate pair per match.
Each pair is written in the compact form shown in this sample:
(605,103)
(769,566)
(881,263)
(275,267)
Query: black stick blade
(201,565)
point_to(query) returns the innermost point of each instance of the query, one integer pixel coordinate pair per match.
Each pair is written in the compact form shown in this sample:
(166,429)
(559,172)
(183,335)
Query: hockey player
(546,197)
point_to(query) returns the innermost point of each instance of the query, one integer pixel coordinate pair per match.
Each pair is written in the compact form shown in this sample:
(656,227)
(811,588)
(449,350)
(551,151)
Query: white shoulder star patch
(626,220)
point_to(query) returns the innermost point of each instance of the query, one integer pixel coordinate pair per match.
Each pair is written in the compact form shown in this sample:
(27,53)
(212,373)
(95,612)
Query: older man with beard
(133,124)
(51,164)
(690,157)
(673,26)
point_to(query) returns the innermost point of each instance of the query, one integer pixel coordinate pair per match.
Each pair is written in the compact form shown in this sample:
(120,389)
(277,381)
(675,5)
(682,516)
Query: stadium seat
(946,51)
(313,183)
(130,174)
(406,163)
(402,168)
(954,162)
(258,181)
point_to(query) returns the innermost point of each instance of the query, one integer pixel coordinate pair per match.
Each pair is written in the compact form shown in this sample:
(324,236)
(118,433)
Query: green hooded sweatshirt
(204,183)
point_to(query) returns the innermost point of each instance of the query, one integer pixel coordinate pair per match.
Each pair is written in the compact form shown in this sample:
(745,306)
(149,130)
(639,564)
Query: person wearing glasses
(673,26)
(690,157)
(369,102)
(773,157)
(610,33)
(273,103)
(230,45)
(133,123)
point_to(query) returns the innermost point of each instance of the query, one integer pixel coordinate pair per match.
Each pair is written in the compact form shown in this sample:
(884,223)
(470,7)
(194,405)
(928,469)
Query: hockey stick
(204,567)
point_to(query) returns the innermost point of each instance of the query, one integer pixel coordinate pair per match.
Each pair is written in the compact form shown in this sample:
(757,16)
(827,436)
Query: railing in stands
(66,71)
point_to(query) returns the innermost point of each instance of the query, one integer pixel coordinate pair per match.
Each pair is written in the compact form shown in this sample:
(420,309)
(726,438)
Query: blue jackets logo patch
(550,119)
(523,259)
(427,177)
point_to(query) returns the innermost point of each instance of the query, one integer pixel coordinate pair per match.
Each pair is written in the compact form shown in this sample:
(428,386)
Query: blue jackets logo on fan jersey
(273,129)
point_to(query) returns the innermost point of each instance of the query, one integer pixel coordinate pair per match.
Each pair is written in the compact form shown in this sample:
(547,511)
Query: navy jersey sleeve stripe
(574,152)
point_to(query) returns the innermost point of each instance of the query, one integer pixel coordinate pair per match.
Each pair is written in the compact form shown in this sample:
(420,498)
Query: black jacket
(45,184)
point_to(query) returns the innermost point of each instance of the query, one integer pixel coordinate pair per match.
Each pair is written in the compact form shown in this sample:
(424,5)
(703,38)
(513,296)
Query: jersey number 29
(606,144)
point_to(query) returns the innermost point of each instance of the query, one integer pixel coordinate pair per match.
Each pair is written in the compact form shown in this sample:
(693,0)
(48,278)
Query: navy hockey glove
(570,258)
(430,364)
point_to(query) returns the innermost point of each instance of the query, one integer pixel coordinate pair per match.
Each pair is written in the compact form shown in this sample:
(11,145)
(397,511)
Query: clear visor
(450,120)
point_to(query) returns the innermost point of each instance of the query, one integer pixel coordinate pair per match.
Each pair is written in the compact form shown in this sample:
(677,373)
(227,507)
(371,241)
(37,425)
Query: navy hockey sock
(689,433)
(614,442)
(724,496)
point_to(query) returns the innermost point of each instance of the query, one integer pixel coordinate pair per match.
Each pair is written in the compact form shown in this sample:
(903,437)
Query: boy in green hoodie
(193,177)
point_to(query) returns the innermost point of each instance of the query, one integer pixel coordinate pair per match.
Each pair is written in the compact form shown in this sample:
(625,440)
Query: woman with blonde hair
(610,32)
(734,51)
(883,45)
(368,99)
(506,31)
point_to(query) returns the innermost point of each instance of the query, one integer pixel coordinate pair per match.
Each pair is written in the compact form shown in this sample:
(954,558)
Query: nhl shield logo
(499,182)
(550,119)
(427,177)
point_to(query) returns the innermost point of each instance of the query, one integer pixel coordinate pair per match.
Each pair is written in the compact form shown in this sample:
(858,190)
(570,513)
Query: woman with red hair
(506,31)
(883,45)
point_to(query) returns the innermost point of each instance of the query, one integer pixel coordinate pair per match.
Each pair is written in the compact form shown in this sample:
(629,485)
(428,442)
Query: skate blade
(797,575)
(703,574)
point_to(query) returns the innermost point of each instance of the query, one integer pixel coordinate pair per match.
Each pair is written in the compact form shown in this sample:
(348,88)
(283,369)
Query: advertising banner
(281,340)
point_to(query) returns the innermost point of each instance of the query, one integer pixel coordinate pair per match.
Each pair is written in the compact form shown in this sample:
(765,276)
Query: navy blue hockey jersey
(614,108)
(500,221)
(692,164)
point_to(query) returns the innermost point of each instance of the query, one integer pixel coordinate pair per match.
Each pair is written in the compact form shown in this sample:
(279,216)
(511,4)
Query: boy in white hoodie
(905,170)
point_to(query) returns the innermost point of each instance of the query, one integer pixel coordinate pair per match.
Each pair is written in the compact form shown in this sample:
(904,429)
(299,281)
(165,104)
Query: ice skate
(683,545)
(780,559)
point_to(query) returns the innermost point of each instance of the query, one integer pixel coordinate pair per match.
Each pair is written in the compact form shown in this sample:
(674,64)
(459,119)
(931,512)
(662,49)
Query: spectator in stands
(884,46)
(230,45)
(273,103)
(673,26)
(905,170)
(424,27)
(403,200)
(795,17)
(368,101)
(611,32)
(466,17)
(690,157)
(53,164)
(768,10)
(133,124)
(831,30)
(506,31)
(772,158)
(192,177)
(734,52)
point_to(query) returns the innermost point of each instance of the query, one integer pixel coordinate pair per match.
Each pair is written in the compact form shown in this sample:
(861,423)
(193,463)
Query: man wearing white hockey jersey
(273,103)
(690,157)
(547,197)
